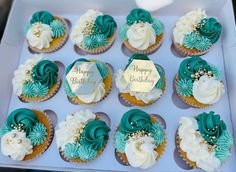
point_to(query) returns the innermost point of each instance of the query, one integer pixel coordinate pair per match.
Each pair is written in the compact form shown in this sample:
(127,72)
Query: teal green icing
(225,141)
(138,15)
(137,57)
(184,87)
(46,73)
(4,130)
(216,72)
(68,89)
(71,65)
(135,120)
(27,118)
(158,133)
(211,29)
(26,28)
(28,89)
(191,65)
(102,69)
(123,32)
(43,17)
(87,153)
(101,40)
(71,151)
(120,140)
(161,81)
(95,134)
(104,24)
(222,154)
(190,40)
(203,44)
(158,26)
(38,135)
(58,28)
(40,90)
(89,42)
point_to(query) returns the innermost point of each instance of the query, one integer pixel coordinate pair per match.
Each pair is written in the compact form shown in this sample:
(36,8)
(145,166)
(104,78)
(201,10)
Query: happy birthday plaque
(142,75)
(83,77)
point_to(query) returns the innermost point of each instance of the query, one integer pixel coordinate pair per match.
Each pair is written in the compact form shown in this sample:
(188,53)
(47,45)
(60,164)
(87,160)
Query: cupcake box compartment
(14,51)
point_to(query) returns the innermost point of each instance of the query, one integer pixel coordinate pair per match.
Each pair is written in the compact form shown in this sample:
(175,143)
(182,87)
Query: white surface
(59,103)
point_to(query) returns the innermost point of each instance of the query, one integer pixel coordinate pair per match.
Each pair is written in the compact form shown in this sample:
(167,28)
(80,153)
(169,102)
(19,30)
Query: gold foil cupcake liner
(189,100)
(108,87)
(52,91)
(40,149)
(150,49)
(56,43)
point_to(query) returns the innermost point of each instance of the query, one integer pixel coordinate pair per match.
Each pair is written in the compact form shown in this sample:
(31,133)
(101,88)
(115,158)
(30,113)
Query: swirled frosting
(58,28)
(46,73)
(138,15)
(39,36)
(140,152)
(44,17)
(208,90)
(141,35)
(187,24)
(16,145)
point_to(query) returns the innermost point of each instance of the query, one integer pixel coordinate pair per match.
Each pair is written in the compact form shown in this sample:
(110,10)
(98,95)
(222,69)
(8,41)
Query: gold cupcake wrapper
(108,86)
(102,49)
(191,101)
(150,49)
(56,43)
(40,149)
(132,100)
(52,91)
(160,149)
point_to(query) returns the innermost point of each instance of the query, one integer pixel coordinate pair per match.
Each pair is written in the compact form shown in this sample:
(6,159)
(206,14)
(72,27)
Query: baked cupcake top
(199,79)
(21,133)
(195,30)
(205,140)
(85,80)
(141,78)
(141,29)
(43,28)
(93,30)
(138,137)
(35,77)
(82,136)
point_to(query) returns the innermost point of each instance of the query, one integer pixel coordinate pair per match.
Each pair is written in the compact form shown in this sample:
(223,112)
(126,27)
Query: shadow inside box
(19,170)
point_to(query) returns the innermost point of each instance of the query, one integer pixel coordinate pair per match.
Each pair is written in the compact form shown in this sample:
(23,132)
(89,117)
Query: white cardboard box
(14,51)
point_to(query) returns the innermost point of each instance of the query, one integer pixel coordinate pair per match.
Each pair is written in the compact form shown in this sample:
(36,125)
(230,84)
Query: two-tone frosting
(138,137)
(201,80)
(141,29)
(21,133)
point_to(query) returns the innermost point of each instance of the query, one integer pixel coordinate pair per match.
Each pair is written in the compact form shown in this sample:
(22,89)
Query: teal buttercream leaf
(216,72)
(184,87)
(38,134)
(58,28)
(123,32)
(158,133)
(4,130)
(190,40)
(89,42)
(86,153)
(71,150)
(28,90)
(102,69)
(158,27)
(120,140)
(161,81)
(68,89)
(203,43)
(40,90)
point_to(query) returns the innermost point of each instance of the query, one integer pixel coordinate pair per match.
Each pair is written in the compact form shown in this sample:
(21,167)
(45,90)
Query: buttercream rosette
(46,33)
(98,92)
(142,33)
(203,141)
(36,80)
(140,139)
(94,32)
(135,97)
(195,33)
(198,83)
(26,134)
(82,137)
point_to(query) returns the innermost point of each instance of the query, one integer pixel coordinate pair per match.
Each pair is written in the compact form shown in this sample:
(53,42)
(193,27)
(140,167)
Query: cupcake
(82,137)
(37,80)
(94,32)
(87,81)
(46,33)
(142,82)
(140,139)
(198,83)
(142,33)
(26,134)
(203,141)
(195,33)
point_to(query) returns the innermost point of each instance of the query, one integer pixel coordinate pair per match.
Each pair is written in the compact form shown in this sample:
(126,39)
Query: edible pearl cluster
(19,127)
(37,29)
(19,141)
(78,133)
(200,73)
(88,29)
